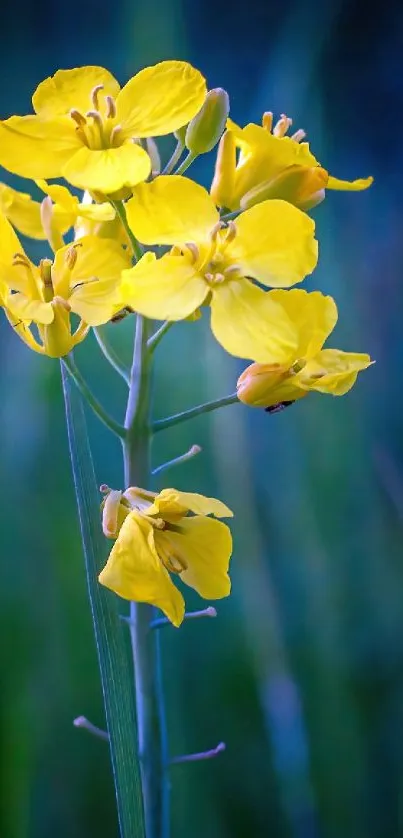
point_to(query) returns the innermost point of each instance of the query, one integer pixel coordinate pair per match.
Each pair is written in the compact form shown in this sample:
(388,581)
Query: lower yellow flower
(309,367)
(209,263)
(155,537)
(257,163)
(83,279)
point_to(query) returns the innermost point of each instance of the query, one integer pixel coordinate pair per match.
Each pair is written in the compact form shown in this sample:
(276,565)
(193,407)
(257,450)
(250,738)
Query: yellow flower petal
(249,324)
(33,147)
(22,211)
(205,546)
(160,99)
(96,302)
(171,210)
(173,502)
(32,310)
(9,242)
(164,289)
(333,371)
(107,170)
(71,89)
(349,185)
(274,244)
(265,385)
(313,314)
(135,572)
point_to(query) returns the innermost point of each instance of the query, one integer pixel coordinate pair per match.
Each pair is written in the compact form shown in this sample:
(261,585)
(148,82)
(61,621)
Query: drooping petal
(71,89)
(165,289)
(134,570)
(204,547)
(313,314)
(96,302)
(33,147)
(107,170)
(249,324)
(349,185)
(22,211)
(172,502)
(160,99)
(275,244)
(333,371)
(171,210)
(33,310)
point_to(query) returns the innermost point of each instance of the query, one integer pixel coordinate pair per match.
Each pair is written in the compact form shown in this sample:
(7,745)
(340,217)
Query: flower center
(97,129)
(212,260)
(281,127)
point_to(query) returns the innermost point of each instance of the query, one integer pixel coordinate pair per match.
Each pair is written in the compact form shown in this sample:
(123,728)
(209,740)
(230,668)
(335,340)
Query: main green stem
(150,720)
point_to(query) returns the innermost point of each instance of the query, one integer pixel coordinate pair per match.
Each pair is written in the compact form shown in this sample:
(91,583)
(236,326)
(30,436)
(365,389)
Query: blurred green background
(302,673)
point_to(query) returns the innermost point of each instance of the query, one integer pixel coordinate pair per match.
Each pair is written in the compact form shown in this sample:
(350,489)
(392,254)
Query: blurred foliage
(302,673)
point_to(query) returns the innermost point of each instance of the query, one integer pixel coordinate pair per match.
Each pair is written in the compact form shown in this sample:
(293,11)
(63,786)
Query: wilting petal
(171,210)
(107,170)
(160,99)
(349,185)
(164,289)
(313,314)
(204,547)
(71,89)
(135,572)
(172,502)
(33,147)
(249,324)
(22,211)
(275,244)
(333,371)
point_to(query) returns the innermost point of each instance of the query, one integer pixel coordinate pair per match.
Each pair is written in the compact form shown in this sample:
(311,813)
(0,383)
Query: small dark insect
(276,408)
(120,315)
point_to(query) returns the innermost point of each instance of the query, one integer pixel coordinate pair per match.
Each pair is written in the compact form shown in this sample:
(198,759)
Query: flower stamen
(94,95)
(110,107)
(194,251)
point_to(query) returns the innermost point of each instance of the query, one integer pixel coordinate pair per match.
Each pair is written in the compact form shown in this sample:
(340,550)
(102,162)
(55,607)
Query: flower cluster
(144,239)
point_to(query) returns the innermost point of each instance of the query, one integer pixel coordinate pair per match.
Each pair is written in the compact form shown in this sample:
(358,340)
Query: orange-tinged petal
(265,385)
(204,546)
(171,210)
(313,314)
(33,147)
(349,185)
(134,570)
(160,99)
(164,289)
(71,89)
(249,324)
(107,170)
(275,244)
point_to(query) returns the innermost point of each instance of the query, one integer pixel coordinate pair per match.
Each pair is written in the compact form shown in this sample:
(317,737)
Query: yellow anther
(216,229)
(174,563)
(94,95)
(209,277)
(297,366)
(231,231)
(232,270)
(114,137)
(219,277)
(194,251)
(20,259)
(110,107)
(267,120)
(78,118)
(282,126)
(70,257)
(45,270)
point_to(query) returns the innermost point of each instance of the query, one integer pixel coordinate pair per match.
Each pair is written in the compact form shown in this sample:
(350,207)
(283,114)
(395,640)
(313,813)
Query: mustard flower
(209,262)
(156,537)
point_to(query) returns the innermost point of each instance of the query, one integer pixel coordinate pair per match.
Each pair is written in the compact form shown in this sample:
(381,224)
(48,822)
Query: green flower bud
(205,129)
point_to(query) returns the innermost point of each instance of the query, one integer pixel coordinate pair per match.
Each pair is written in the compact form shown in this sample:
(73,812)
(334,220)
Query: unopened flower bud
(268,385)
(300,185)
(206,128)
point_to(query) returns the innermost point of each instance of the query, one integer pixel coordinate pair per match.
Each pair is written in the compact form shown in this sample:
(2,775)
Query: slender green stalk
(154,340)
(190,157)
(85,391)
(183,458)
(152,736)
(174,159)
(119,208)
(207,407)
(110,355)
(229,216)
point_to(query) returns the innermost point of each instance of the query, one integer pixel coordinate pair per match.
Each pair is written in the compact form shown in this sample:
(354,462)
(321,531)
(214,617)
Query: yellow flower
(309,367)
(209,262)
(271,165)
(86,129)
(155,537)
(83,279)
(54,218)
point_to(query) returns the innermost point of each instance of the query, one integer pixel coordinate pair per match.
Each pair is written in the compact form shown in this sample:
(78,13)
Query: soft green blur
(301,674)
